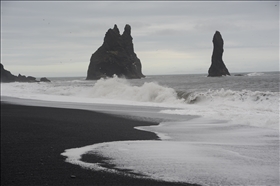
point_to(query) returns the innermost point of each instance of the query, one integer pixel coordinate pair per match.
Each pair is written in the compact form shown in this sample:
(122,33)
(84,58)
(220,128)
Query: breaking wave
(116,88)
(149,92)
(254,107)
(121,89)
(244,96)
(255,74)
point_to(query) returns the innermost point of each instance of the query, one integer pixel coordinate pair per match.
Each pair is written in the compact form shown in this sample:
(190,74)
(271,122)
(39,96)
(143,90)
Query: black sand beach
(33,138)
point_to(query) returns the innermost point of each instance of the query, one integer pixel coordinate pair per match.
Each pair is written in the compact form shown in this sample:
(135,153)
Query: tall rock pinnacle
(218,68)
(115,57)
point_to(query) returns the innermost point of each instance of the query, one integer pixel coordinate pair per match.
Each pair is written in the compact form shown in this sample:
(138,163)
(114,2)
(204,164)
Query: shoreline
(33,138)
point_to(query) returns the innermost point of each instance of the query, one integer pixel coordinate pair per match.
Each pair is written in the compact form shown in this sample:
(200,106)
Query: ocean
(213,130)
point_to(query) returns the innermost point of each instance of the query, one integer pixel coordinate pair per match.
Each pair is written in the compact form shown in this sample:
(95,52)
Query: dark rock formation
(44,79)
(7,76)
(115,57)
(218,67)
(238,74)
(23,78)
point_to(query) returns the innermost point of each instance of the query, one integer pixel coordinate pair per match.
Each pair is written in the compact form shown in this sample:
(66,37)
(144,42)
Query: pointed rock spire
(127,30)
(217,68)
(116,29)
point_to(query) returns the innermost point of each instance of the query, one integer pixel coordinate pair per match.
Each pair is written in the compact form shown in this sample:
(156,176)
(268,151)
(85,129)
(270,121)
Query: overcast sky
(58,38)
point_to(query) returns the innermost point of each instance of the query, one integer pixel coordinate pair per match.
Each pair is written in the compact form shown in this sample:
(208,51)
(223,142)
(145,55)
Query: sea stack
(115,57)
(218,68)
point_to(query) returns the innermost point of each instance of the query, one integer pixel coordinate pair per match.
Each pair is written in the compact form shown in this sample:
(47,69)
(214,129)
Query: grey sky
(58,38)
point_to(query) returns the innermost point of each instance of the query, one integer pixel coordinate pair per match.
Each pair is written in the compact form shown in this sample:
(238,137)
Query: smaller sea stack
(218,68)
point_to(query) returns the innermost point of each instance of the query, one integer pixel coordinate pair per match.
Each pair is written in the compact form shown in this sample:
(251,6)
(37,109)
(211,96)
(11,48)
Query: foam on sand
(233,141)
(202,151)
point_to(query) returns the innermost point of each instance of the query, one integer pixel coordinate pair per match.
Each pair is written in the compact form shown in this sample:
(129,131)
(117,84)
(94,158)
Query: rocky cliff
(218,68)
(115,57)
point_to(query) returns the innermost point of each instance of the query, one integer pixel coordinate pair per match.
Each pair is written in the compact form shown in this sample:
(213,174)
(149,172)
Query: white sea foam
(202,151)
(255,74)
(254,108)
(116,88)
(108,90)
(219,148)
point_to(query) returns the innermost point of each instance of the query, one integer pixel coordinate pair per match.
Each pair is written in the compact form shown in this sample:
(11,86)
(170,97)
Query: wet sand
(33,138)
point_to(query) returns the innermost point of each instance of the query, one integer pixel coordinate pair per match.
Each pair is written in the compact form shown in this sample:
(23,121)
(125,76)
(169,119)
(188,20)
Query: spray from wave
(244,96)
(252,107)
(255,74)
(121,89)
(117,88)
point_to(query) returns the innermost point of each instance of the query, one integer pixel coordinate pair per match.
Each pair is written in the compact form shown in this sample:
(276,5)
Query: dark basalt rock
(115,57)
(44,79)
(7,76)
(23,78)
(238,74)
(218,68)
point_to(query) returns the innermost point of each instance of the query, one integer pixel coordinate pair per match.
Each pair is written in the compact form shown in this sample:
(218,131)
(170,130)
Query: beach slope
(33,138)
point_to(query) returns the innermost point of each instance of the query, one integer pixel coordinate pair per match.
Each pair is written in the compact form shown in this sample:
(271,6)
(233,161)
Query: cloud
(165,34)
(48,70)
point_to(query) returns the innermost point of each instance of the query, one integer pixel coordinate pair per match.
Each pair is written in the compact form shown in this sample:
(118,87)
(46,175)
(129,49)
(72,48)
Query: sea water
(214,131)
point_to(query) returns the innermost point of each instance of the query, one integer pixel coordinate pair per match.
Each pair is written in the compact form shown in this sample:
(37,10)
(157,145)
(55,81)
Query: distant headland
(7,76)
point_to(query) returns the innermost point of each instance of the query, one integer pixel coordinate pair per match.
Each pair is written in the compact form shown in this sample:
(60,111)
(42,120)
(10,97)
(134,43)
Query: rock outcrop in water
(7,76)
(218,68)
(115,57)
(44,79)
